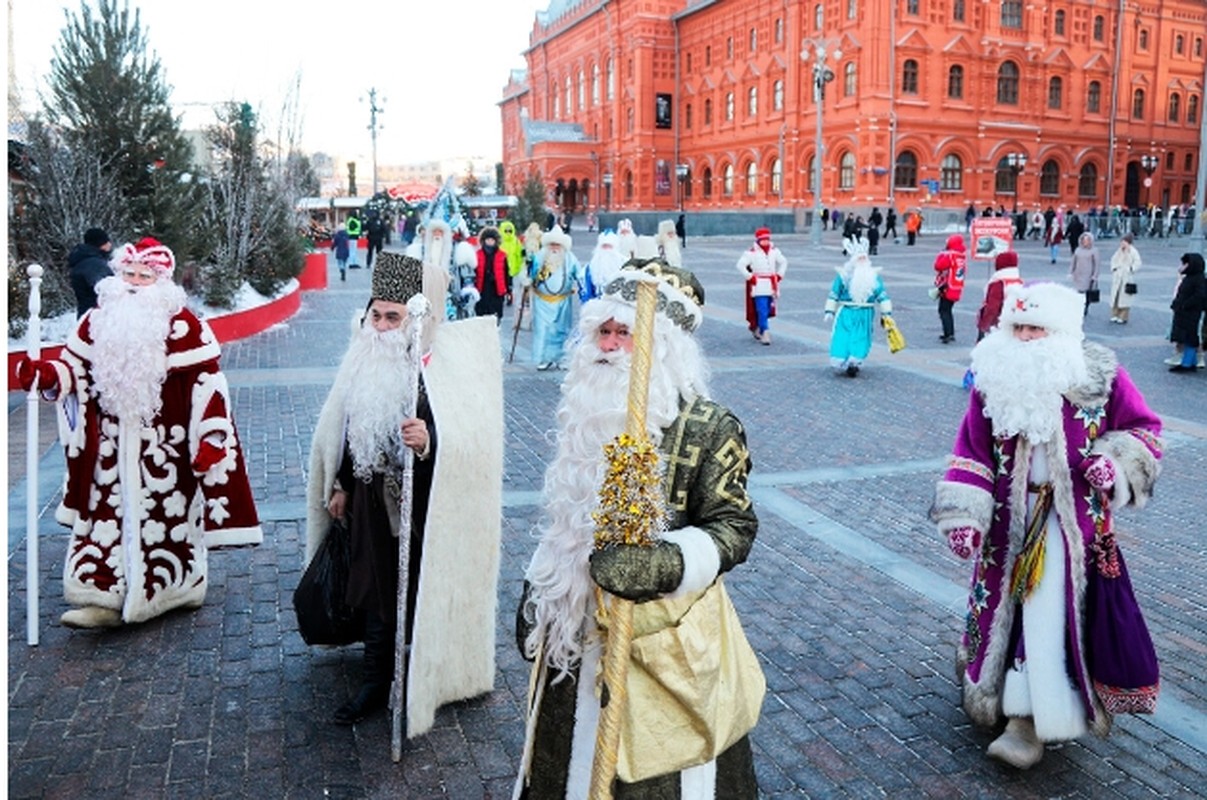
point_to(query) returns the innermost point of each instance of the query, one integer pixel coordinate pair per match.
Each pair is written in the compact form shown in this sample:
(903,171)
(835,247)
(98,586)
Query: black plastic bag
(323,615)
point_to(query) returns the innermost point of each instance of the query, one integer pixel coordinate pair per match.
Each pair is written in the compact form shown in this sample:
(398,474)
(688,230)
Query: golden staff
(625,519)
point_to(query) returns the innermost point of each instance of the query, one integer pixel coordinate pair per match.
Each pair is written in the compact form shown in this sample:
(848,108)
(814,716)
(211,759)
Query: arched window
(1087,181)
(1012,14)
(812,173)
(957,10)
(706,182)
(777,177)
(1179,44)
(777,96)
(628,116)
(848,80)
(1188,165)
(1192,110)
(727,181)
(708,111)
(628,185)
(951,173)
(582,90)
(955,82)
(752,101)
(1093,97)
(1007,83)
(909,76)
(1143,42)
(905,174)
(557,104)
(913,7)
(1058,23)
(687,116)
(569,98)
(1049,178)
(1099,28)
(687,183)
(1198,46)
(752,179)
(1005,179)
(846,171)
(611,80)
(1175,107)
(1138,104)
(779,30)
(852,10)
(754,40)
(1169,160)
(729,47)
(818,17)
(595,84)
(728,106)
(1055,93)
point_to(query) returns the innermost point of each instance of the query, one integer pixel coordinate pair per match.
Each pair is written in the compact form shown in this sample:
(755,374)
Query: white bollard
(34,337)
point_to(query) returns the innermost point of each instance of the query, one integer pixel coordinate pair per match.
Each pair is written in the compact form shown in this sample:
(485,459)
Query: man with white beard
(357,472)
(710,528)
(155,472)
(605,264)
(1055,440)
(855,294)
(554,277)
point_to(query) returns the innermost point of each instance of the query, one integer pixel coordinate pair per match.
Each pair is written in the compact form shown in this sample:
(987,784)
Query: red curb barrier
(314,272)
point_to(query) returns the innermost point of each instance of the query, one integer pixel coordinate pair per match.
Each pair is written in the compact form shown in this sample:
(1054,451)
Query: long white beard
(1023,383)
(605,265)
(591,414)
(375,379)
(130,328)
(862,282)
(438,252)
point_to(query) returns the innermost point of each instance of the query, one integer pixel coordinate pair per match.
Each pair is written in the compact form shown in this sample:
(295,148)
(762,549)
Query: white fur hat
(609,238)
(647,247)
(556,236)
(1051,306)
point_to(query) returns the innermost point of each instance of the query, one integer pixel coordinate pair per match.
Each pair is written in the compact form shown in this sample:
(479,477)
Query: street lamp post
(1148,163)
(681,171)
(374,110)
(1017,163)
(822,75)
(607,183)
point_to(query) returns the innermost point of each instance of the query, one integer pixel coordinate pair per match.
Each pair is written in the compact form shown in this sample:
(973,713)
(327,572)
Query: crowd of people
(407,458)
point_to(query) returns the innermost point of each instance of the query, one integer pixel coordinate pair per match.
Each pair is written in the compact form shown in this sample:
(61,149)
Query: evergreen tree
(470,185)
(108,96)
(530,207)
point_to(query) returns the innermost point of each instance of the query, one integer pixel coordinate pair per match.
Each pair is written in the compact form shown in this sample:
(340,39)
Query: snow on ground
(56,329)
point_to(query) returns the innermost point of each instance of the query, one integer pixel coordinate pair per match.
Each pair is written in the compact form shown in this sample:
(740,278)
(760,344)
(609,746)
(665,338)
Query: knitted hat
(96,237)
(1006,258)
(1051,306)
(145,252)
(680,294)
(397,277)
(762,233)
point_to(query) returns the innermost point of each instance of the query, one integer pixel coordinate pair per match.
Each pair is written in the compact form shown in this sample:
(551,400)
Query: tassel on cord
(1029,566)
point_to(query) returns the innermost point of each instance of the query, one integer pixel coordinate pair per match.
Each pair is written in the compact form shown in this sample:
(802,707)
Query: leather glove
(638,573)
(964,541)
(525,621)
(207,456)
(1099,472)
(44,371)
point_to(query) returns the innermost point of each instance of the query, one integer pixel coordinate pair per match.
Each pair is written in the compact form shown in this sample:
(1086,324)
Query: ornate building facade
(712,105)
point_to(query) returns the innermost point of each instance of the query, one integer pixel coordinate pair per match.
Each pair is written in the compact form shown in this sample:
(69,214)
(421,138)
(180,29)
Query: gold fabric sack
(896,340)
(695,686)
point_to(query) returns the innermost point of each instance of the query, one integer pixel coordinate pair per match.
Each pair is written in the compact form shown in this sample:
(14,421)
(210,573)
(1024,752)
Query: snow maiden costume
(1053,639)
(695,687)
(855,295)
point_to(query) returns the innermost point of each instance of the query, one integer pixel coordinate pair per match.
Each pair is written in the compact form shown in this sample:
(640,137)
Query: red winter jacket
(502,278)
(950,266)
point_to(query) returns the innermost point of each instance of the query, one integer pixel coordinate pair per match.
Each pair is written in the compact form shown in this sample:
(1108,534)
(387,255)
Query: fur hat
(488,233)
(146,252)
(680,294)
(556,236)
(1052,306)
(608,238)
(397,277)
(1006,258)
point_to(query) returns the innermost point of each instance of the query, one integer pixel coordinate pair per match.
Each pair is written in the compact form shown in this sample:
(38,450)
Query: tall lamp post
(1017,163)
(822,75)
(1148,163)
(681,171)
(374,110)
(607,183)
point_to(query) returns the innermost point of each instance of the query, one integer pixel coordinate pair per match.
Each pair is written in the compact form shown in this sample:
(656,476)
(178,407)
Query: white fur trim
(1136,468)
(234,537)
(701,560)
(1051,306)
(958,504)
(556,236)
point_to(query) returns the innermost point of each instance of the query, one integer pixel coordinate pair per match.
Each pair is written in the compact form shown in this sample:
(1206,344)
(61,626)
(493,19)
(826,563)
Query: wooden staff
(614,690)
(417,310)
(519,318)
(34,351)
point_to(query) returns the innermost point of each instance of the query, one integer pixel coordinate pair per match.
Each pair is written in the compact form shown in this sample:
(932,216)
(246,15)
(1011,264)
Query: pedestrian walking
(1125,263)
(341,245)
(1189,304)
(763,267)
(88,265)
(951,265)
(856,293)
(1005,274)
(1084,268)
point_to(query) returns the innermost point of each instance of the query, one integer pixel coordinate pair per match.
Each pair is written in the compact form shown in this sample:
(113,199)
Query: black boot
(378,673)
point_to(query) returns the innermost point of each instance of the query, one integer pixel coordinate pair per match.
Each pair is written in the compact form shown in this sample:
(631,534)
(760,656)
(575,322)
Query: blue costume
(553,290)
(854,296)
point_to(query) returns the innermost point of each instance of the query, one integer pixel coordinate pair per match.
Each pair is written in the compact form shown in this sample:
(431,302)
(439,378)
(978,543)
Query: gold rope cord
(635,447)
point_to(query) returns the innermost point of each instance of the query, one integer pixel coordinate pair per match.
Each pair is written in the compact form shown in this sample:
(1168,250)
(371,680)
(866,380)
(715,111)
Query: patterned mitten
(1099,472)
(964,541)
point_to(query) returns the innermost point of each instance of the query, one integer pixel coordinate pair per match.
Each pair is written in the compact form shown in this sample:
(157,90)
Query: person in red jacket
(1005,274)
(492,279)
(950,267)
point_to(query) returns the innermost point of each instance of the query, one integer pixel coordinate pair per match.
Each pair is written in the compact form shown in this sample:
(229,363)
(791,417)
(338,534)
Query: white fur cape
(453,649)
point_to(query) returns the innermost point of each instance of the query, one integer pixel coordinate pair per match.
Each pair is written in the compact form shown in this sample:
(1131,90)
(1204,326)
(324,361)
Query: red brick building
(652,105)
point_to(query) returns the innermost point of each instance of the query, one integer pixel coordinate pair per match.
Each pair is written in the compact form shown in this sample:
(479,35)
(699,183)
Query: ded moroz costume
(155,471)
(855,295)
(555,277)
(456,491)
(694,686)
(1056,439)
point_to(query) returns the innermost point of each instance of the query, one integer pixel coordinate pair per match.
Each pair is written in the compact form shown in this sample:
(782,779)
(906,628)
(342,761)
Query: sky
(438,67)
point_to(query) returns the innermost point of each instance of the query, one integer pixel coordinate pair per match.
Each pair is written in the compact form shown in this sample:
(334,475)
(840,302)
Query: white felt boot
(91,617)
(1018,746)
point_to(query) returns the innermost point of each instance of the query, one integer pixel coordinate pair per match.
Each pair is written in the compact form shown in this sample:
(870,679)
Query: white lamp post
(822,75)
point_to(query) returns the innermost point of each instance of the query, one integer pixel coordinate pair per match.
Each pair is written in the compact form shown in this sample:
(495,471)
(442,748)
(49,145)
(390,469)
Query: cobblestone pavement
(849,597)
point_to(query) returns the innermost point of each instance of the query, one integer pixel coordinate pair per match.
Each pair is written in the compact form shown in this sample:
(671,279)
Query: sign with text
(990,236)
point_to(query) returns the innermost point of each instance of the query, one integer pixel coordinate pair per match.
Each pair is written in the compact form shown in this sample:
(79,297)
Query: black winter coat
(87,266)
(1188,306)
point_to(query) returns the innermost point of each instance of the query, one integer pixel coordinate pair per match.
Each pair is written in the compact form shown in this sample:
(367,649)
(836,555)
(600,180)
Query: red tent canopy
(413,192)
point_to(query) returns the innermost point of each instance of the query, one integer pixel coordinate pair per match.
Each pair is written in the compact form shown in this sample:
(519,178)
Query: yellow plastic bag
(896,340)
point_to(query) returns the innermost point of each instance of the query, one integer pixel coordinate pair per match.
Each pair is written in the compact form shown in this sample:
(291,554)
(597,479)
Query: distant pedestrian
(491,278)
(1005,275)
(354,227)
(763,266)
(88,264)
(1053,236)
(1125,263)
(890,225)
(375,232)
(913,224)
(969,216)
(1084,267)
(681,230)
(340,244)
(950,267)
(1073,231)
(1189,305)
